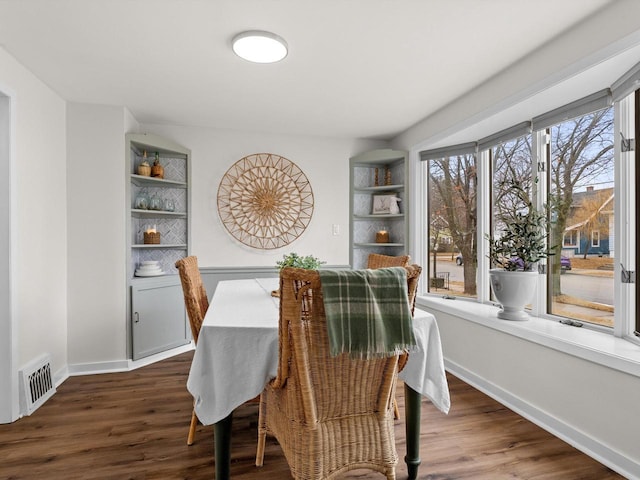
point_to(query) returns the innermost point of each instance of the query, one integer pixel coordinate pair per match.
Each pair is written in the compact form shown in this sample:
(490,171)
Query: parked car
(565,262)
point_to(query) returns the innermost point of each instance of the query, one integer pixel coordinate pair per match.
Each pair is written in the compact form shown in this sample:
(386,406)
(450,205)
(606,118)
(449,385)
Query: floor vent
(37,384)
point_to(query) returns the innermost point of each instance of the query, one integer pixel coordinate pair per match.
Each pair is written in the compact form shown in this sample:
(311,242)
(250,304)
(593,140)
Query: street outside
(587,291)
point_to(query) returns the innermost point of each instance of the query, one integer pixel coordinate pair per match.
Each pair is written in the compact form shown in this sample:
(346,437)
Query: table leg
(412,427)
(222,446)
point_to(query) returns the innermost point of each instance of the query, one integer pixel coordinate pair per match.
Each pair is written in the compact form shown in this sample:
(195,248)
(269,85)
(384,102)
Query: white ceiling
(356,68)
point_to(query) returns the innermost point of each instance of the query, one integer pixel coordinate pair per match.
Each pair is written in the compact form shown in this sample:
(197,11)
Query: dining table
(237,354)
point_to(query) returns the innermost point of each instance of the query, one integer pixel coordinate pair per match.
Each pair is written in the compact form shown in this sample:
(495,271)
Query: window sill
(601,348)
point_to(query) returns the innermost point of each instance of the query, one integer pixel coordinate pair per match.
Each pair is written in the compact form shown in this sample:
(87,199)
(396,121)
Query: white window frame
(595,238)
(625,212)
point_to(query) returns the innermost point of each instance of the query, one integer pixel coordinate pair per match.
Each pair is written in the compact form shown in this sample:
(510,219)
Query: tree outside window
(453,209)
(511,163)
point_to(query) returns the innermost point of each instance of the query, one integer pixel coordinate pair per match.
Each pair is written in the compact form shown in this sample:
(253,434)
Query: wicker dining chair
(376,260)
(329,414)
(196,303)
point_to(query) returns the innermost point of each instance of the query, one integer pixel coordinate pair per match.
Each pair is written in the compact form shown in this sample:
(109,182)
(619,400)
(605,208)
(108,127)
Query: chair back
(195,295)
(325,387)
(413,277)
(376,260)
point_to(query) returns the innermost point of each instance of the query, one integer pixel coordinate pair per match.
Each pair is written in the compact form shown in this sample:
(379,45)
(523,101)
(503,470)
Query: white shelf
(144,181)
(137,213)
(382,188)
(363,224)
(159,245)
(372,244)
(386,215)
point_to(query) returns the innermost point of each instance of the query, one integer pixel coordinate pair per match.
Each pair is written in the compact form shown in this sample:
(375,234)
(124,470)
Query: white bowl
(155,273)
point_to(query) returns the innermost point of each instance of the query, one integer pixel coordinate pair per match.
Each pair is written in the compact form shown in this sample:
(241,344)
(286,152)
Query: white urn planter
(513,290)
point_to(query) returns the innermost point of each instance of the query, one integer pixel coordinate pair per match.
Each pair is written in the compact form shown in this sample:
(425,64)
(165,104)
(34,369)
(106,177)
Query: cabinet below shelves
(158,316)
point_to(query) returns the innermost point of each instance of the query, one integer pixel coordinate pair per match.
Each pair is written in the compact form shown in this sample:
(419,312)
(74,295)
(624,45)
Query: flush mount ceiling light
(260,47)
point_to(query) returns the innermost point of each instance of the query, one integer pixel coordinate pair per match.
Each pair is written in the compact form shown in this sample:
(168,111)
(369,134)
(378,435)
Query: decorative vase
(144,170)
(141,202)
(157,170)
(169,205)
(155,203)
(513,290)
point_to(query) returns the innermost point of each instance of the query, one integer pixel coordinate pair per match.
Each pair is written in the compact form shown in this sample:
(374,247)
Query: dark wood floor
(134,426)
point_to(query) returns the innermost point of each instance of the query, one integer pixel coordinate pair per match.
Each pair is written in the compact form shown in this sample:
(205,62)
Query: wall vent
(36,384)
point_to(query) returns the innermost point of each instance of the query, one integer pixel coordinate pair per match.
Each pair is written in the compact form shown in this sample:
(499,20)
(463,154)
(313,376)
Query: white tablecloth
(237,351)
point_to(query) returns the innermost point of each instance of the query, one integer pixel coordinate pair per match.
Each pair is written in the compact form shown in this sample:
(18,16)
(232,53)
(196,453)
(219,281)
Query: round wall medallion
(265,201)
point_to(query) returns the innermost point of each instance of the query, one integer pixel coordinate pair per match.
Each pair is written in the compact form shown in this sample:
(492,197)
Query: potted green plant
(294,260)
(520,244)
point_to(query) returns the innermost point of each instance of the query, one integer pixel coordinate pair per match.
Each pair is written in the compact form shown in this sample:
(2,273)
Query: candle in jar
(382,236)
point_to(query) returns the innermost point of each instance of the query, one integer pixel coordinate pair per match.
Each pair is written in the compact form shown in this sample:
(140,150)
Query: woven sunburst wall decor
(265,201)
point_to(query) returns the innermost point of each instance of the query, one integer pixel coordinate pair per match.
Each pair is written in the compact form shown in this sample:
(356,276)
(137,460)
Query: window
(571,160)
(452,221)
(510,162)
(580,176)
(570,238)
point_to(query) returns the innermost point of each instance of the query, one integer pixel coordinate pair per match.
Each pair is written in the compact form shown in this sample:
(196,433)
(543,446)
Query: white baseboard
(602,453)
(60,376)
(124,365)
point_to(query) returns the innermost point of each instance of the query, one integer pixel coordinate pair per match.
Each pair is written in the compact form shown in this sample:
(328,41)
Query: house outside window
(592,217)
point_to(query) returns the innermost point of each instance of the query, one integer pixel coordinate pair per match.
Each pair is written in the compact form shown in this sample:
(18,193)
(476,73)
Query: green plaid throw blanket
(367,311)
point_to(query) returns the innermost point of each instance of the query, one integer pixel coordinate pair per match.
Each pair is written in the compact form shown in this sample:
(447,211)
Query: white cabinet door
(158,319)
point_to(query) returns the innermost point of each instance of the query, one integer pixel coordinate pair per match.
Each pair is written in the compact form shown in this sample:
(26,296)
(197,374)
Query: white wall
(589,405)
(97,214)
(96,232)
(8,344)
(40,251)
(325,162)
